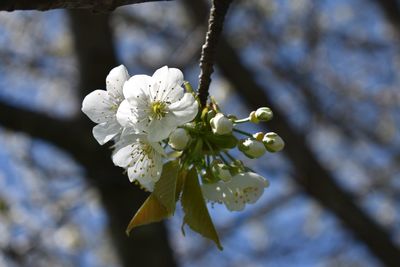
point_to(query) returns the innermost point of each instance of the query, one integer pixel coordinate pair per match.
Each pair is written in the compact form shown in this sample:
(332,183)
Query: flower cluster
(138,113)
(176,149)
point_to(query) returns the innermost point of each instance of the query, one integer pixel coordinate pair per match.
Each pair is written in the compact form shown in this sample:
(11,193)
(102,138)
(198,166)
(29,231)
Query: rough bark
(218,11)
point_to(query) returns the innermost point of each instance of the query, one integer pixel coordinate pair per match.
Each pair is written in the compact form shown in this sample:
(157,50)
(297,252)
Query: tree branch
(391,9)
(317,181)
(215,25)
(43,5)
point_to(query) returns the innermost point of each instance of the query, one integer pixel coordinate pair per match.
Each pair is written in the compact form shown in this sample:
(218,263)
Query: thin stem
(210,148)
(243,132)
(242,120)
(215,25)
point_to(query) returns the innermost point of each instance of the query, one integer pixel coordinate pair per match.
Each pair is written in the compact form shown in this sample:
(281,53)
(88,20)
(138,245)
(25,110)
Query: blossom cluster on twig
(176,149)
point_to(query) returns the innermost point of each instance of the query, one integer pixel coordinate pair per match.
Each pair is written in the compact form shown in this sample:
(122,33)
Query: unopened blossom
(252,148)
(244,188)
(259,136)
(263,114)
(273,142)
(156,104)
(221,124)
(101,106)
(179,139)
(142,159)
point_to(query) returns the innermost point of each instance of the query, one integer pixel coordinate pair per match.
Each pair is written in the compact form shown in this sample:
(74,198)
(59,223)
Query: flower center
(158,110)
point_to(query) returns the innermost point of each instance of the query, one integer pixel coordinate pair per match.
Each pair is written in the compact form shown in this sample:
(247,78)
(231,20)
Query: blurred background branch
(44,5)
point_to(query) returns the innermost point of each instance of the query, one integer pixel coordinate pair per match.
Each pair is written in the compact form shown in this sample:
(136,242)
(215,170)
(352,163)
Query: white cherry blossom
(179,139)
(101,106)
(221,124)
(142,159)
(156,104)
(243,188)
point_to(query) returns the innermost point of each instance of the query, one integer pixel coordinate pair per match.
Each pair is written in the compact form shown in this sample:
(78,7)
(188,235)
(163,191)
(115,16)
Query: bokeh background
(328,68)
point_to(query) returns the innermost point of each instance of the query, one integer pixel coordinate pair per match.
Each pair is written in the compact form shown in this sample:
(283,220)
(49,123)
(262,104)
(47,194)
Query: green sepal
(196,212)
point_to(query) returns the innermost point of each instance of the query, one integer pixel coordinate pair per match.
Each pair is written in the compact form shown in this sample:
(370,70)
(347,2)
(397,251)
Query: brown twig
(215,25)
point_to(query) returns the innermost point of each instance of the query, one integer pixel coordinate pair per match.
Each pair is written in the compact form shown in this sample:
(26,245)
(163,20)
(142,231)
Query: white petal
(115,80)
(246,179)
(106,131)
(186,109)
(137,87)
(169,81)
(158,148)
(160,129)
(214,192)
(146,171)
(124,113)
(122,157)
(98,106)
(234,204)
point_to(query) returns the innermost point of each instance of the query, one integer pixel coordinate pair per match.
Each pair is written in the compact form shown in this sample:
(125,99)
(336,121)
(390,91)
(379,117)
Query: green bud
(259,136)
(251,148)
(273,142)
(179,139)
(253,117)
(221,124)
(263,114)
(226,141)
(211,114)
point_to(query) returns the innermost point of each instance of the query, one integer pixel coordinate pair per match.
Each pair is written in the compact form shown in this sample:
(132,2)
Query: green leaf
(165,188)
(151,211)
(196,212)
(179,183)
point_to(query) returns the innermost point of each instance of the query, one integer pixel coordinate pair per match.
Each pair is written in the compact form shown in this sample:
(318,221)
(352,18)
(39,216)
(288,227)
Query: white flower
(141,158)
(221,171)
(156,105)
(252,148)
(221,124)
(179,139)
(101,106)
(243,188)
(273,142)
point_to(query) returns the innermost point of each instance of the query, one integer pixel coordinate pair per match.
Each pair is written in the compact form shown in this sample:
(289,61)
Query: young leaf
(179,183)
(151,211)
(196,212)
(165,188)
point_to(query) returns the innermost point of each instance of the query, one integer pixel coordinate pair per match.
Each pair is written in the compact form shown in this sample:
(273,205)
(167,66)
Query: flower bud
(273,142)
(221,171)
(259,136)
(221,124)
(211,114)
(253,117)
(251,148)
(263,114)
(179,139)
